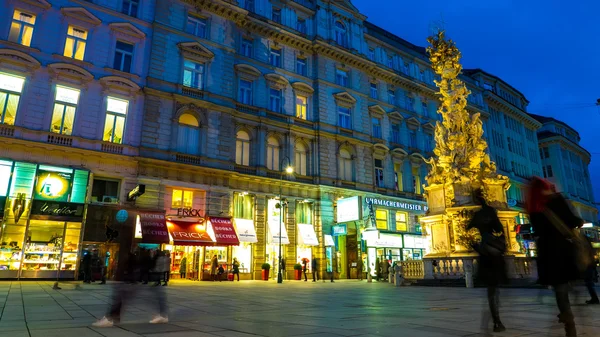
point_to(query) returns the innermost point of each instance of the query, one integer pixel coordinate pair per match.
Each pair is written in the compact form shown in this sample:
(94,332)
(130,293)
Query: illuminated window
(193,74)
(242,148)
(114,126)
(381,216)
(401,221)
(130,7)
(10,93)
(182,199)
(63,115)
(123,56)
(398,177)
(188,134)
(304,212)
(301,106)
(21,28)
(273,154)
(243,206)
(75,44)
(417,181)
(300,159)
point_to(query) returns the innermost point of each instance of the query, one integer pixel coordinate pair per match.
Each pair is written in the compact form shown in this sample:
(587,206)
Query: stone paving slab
(268,309)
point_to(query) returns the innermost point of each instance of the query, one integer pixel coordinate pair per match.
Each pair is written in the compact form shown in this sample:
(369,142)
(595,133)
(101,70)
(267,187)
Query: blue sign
(512,203)
(122,216)
(338,230)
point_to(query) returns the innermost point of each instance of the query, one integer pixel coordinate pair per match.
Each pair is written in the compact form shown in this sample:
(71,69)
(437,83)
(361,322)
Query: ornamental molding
(43,4)
(17,60)
(81,14)
(127,29)
(70,73)
(399,153)
(190,108)
(428,126)
(380,150)
(376,110)
(395,115)
(302,87)
(225,9)
(247,71)
(413,122)
(120,84)
(195,51)
(344,98)
(277,81)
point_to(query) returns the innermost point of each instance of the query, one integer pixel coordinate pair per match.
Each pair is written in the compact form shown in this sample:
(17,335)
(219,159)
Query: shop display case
(11,239)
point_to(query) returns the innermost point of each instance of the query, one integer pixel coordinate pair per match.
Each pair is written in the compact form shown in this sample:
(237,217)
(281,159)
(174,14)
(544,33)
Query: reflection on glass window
(10,90)
(63,115)
(182,199)
(114,126)
(21,28)
(75,43)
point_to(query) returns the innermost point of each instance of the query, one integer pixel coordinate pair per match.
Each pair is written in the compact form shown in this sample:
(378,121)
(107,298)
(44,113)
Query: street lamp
(289,170)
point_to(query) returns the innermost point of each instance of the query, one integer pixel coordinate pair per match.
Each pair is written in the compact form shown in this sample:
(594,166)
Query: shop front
(243,212)
(307,237)
(415,247)
(41,229)
(381,248)
(347,254)
(277,237)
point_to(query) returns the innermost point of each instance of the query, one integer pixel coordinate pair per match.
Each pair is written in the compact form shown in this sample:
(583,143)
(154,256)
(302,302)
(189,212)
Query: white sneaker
(158,319)
(103,323)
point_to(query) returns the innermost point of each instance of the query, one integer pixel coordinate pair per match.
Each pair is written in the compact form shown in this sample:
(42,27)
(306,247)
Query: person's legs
(238,276)
(589,284)
(564,306)
(314,272)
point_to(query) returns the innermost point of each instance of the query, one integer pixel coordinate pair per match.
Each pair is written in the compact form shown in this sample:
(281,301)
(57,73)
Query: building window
(417,181)
(10,93)
(75,43)
(413,138)
(245,92)
(275,57)
(345,165)
(391,97)
(422,75)
(188,134)
(547,171)
(242,148)
(273,154)
(373,92)
(246,49)
(182,199)
(301,26)
(243,206)
(544,152)
(396,133)
(371,54)
(406,68)
(410,103)
(105,190)
(402,221)
(398,177)
(21,28)
(424,109)
(381,219)
(341,77)
(196,26)
(300,154)
(376,127)
(304,211)
(130,7)
(276,15)
(275,100)
(193,74)
(123,56)
(390,62)
(301,66)
(114,126)
(340,34)
(428,142)
(379,173)
(63,115)
(302,107)
(344,117)
(249,5)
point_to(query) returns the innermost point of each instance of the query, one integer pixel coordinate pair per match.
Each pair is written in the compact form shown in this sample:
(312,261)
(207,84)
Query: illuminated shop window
(402,221)
(381,216)
(301,106)
(63,115)
(114,126)
(75,43)
(21,28)
(243,206)
(10,93)
(182,199)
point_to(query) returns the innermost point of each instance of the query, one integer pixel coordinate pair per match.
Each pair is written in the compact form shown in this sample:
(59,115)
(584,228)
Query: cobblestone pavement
(294,308)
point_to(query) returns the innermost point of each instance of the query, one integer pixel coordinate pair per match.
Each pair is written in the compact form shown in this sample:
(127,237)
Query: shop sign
(386,241)
(51,210)
(154,227)
(338,230)
(53,185)
(224,232)
(245,230)
(308,236)
(415,241)
(187,212)
(348,209)
(408,206)
(512,202)
(136,192)
(329,241)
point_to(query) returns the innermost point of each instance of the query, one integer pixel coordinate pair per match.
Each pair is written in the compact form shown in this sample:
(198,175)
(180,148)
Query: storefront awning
(189,234)
(329,241)
(245,230)
(307,235)
(154,227)
(275,236)
(224,231)
(386,241)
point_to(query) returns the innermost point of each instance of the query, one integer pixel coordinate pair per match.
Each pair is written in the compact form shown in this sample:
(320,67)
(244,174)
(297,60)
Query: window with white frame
(373,90)
(193,74)
(182,199)
(63,114)
(391,97)
(123,56)
(10,94)
(274,100)
(344,117)
(301,26)
(21,28)
(75,43)
(188,134)
(114,125)
(273,154)
(345,164)
(276,15)
(196,26)
(413,138)
(379,173)
(245,92)
(376,127)
(247,47)
(302,107)
(130,7)
(275,57)
(340,34)
(341,77)
(242,148)
(300,156)
(301,66)
(396,133)
(371,54)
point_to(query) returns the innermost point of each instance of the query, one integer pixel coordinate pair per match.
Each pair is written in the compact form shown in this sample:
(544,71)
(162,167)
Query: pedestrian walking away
(236,268)
(183,268)
(491,249)
(558,246)
(304,268)
(591,275)
(86,265)
(315,269)
(214,266)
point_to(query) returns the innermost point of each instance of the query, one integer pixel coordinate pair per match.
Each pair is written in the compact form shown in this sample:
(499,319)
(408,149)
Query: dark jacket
(491,269)
(555,253)
(314,264)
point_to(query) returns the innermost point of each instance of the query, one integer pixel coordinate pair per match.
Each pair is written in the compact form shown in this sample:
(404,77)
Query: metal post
(279,275)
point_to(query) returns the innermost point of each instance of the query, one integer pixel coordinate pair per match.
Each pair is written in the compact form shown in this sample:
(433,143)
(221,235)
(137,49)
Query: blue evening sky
(548,50)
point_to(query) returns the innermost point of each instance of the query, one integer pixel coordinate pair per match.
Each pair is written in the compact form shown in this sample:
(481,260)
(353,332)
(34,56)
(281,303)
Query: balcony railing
(188,159)
(59,140)
(112,148)
(246,109)
(192,92)
(245,169)
(7,131)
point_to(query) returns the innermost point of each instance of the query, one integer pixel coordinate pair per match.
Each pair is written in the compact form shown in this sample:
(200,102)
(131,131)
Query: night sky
(548,50)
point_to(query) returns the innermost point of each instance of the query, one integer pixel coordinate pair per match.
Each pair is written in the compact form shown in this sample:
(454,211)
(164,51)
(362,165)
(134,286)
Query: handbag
(580,249)
(492,244)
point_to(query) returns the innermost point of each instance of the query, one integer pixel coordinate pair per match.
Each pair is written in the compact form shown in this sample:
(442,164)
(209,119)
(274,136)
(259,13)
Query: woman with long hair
(552,220)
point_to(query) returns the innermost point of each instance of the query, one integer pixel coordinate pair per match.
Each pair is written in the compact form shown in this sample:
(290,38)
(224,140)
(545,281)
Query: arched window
(273,154)
(340,34)
(242,148)
(301,166)
(345,165)
(188,134)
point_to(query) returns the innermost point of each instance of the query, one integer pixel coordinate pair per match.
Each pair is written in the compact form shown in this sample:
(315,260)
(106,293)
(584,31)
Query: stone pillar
(259,248)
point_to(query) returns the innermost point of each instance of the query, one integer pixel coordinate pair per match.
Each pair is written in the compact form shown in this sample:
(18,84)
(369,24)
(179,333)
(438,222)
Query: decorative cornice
(376,110)
(196,51)
(277,81)
(247,70)
(303,88)
(81,14)
(43,4)
(120,84)
(127,29)
(344,97)
(70,72)
(16,59)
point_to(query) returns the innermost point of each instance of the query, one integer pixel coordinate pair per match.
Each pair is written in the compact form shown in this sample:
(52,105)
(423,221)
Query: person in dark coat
(315,269)
(86,265)
(492,268)
(591,275)
(556,258)
(305,268)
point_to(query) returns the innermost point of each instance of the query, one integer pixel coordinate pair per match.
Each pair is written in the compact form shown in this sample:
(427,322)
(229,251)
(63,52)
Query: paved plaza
(295,308)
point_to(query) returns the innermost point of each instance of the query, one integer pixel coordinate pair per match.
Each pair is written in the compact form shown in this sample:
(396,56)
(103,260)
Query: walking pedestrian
(553,223)
(86,265)
(214,266)
(304,268)
(491,249)
(315,269)
(591,275)
(361,267)
(145,265)
(183,268)
(236,268)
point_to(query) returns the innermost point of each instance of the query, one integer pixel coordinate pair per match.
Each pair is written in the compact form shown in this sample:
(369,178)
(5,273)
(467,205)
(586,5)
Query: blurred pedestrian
(315,269)
(236,268)
(591,275)
(304,267)
(553,223)
(166,267)
(86,265)
(214,266)
(145,265)
(491,249)
(183,268)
